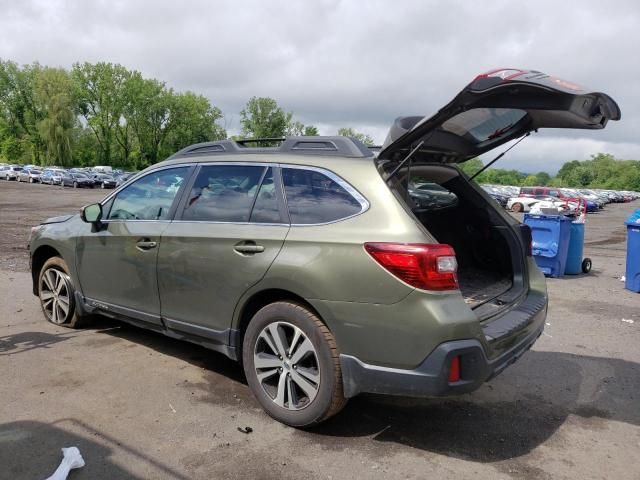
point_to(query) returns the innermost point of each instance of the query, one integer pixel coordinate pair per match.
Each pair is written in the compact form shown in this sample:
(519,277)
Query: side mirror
(91,213)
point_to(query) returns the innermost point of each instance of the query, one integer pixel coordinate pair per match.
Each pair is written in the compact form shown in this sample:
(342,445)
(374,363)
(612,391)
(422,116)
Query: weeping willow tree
(53,92)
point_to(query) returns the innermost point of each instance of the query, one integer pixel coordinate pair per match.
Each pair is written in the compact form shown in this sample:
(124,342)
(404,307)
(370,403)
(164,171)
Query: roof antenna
(499,156)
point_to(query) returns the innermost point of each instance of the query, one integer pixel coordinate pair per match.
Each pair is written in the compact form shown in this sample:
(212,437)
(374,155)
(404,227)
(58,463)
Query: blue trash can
(632,274)
(550,234)
(576,249)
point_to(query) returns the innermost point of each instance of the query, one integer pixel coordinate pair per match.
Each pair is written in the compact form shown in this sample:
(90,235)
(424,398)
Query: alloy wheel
(55,295)
(286,365)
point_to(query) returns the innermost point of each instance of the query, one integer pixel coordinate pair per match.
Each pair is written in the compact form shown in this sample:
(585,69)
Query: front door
(231,228)
(117,263)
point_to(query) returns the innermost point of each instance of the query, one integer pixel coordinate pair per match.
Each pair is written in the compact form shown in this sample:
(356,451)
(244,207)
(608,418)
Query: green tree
(100,91)
(263,118)
(20,111)
(350,132)
(53,90)
(567,168)
(297,128)
(470,167)
(530,181)
(147,109)
(310,131)
(542,178)
(85,147)
(192,119)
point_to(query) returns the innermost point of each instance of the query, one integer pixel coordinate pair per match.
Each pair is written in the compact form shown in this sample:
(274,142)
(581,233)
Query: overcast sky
(351,63)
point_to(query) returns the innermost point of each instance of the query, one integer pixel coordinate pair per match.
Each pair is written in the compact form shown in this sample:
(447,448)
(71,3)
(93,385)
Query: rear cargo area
(454,213)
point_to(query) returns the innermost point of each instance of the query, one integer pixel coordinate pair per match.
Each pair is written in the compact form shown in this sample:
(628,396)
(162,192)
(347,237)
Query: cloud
(347,63)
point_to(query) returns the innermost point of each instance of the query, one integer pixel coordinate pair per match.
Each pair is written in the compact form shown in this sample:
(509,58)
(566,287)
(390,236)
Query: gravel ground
(140,405)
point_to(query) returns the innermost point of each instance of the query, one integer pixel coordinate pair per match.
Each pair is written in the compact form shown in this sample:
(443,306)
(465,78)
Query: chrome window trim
(364,203)
(232,223)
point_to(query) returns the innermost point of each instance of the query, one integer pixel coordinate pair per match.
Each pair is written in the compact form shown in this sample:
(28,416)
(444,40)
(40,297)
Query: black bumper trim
(430,378)
(516,319)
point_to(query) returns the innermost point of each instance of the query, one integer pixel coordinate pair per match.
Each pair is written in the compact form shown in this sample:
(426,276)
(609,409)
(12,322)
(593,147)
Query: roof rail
(303,145)
(258,141)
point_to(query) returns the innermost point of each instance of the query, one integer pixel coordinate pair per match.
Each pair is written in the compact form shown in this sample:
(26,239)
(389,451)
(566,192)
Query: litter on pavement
(71,459)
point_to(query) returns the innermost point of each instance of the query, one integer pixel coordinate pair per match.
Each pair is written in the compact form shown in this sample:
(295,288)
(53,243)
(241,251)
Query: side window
(150,197)
(266,208)
(313,197)
(526,191)
(223,193)
(554,193)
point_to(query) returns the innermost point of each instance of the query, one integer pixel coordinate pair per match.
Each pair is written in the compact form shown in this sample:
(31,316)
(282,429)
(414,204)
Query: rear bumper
(430,378)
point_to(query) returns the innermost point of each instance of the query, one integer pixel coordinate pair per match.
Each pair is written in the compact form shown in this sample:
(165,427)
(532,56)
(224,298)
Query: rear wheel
(56,293)
(292,365)
(586,265)
(517,207)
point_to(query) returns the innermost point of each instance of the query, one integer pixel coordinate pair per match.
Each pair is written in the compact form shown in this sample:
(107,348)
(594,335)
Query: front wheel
(75,184)
(586,265)
(292,365)
(56,293)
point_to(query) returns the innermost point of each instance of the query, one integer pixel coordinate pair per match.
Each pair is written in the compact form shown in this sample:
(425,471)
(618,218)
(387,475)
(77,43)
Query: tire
(75,184)
(586,265)
(55,269)
(320,361)
(517,207)
(30,180)
(102,185)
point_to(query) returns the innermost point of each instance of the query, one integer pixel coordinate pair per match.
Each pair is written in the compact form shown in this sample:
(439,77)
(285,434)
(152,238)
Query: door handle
(146,244)
(248,248)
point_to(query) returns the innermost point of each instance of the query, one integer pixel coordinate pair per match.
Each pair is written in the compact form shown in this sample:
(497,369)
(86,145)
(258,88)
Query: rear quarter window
(314,197)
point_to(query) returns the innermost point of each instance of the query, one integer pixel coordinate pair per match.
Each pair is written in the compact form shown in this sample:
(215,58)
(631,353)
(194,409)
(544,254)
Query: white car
(525,204)
(10,172)
(521,204)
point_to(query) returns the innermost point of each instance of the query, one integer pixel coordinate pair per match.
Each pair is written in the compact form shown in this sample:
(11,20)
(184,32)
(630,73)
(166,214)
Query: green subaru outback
(313,263)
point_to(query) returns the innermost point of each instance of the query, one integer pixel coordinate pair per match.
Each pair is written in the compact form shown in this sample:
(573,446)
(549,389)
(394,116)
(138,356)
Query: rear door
(494,108)
(229,229)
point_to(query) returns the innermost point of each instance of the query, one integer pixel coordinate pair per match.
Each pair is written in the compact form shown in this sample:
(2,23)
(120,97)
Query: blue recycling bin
(632,274)
(550,234)
(576,249)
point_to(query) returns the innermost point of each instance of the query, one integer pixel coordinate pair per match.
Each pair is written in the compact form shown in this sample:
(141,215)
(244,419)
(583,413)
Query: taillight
(424,266)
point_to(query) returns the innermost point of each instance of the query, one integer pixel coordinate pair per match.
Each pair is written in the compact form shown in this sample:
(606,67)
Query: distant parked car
(77,180)
(121,179)
(10,172)
(31,175)
(105,181)
(499,196)
(52,176)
